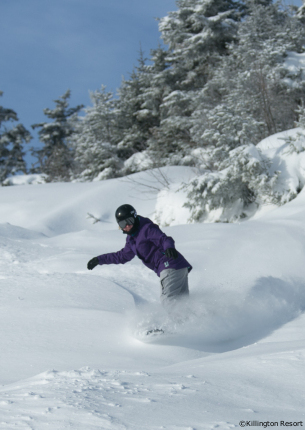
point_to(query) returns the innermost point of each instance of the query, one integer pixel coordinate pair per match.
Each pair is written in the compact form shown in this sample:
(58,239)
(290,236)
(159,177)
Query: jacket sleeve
(155,235)
(121,257)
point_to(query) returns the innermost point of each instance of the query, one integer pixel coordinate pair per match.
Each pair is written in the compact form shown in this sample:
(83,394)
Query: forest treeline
(227,76)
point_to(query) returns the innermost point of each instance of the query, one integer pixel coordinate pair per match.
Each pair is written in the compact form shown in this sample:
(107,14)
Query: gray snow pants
(174,285)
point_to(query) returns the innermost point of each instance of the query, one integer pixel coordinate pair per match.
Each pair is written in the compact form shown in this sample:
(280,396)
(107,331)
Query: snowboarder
(155,249)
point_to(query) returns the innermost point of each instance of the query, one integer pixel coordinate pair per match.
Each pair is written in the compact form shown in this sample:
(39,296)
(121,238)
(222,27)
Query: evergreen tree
(137,110)
(241,184)
(152,88)
(301,13)
(11,144)
(197,31)
(95,154)
(197,35)
(226,128)
(55,158)
(113,131)
(129,133)
(253,81)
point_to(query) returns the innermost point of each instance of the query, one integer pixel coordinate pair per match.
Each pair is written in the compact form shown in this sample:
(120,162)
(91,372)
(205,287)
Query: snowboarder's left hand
(171,253)
(92,263)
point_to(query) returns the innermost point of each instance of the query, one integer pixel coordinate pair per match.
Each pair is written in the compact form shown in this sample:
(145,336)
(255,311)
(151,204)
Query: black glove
(171,253)
(92,263)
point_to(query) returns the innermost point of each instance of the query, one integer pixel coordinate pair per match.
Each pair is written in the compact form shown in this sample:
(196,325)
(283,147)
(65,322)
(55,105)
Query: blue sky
(50,46)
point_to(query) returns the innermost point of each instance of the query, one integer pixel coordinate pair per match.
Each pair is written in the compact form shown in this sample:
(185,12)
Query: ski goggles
(125,222)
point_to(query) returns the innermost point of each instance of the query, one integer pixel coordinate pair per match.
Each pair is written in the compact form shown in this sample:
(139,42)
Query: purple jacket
(149,244)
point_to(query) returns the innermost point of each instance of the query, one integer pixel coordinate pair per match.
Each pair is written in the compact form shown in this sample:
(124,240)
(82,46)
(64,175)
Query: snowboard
(155,332)
(150,335)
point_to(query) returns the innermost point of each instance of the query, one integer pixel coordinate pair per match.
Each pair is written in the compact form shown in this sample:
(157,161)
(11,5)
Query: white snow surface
(290,163)
(32,179)
(73,353)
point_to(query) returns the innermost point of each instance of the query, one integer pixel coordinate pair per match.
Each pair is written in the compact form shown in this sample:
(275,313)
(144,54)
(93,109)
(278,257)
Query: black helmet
(125,214)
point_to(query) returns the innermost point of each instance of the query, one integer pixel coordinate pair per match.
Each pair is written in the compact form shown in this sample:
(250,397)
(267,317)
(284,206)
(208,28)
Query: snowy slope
(72,355)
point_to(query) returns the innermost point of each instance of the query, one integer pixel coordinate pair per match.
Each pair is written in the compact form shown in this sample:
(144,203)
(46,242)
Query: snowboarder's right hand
(92,263)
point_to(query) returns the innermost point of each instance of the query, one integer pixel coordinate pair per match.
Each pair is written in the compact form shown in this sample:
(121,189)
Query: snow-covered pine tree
(152,88)
(127,132)
(301,13)
(254,80)
(227,127)
(11,144)
(55,158)
(113,132)
(241,184)
(197,31)
(95,156)
(137,111)
(197,35)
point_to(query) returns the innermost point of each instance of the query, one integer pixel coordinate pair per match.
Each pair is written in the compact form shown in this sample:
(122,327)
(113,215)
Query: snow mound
(59,208)
(286,150)
(33,179)
(169,206)
(276,141)
(14,232)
